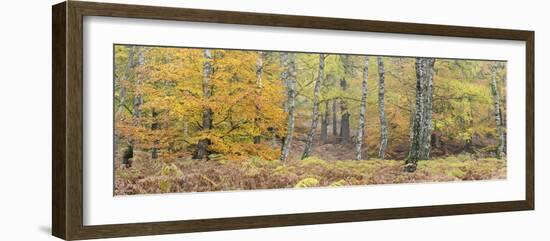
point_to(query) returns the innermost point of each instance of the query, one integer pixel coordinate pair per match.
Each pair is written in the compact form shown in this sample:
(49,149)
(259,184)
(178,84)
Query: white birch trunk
(202,145)
(315,113)
(381,109)
(421,127)
(289,77)
(498,114)
(362,110)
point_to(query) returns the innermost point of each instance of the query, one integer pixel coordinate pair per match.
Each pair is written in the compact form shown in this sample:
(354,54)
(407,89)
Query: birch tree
(137,102)
(428,106)
(289,78)
(497,111)
(202,145)
(138,98)
(315,112)
(128,73)
(259,72)
(381,109)
(362,110)
(421,127)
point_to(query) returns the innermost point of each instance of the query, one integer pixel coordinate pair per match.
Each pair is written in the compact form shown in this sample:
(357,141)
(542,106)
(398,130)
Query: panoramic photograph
(207,120)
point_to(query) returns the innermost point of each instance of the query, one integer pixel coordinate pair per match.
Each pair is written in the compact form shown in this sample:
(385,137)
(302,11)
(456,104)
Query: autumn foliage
(172,104)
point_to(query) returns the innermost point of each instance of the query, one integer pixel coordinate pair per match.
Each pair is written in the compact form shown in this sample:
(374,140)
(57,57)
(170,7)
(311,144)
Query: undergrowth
(257,173)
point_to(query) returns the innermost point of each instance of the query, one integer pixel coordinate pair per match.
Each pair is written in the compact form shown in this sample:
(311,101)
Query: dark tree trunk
(155,126)
(202,145)
(344,121)
(324,124)
(315,113)
(289,78)
(421,128)
(334,119)
(381,109)
(127,156)
(362,110)
(498,114)
(344,126)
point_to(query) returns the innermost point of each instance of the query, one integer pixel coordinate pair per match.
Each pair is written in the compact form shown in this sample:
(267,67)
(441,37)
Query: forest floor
(186,175)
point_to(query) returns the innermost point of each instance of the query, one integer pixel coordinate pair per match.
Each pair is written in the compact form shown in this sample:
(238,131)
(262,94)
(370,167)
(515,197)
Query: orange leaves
(170,81)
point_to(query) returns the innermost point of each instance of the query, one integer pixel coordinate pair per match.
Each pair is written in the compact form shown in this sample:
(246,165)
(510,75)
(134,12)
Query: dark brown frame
(67,121)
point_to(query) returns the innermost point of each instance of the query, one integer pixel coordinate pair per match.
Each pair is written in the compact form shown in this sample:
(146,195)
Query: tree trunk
(324,124)
(381,109)
(202,146)
(362,110)
(344,121)
(315,113)
(127,75)
(136,107)
(289,78)
(122,94)
(138,99)
(428,98)
(498,115)
(421,128)
(259,72)
(344,125)
(334,119)
(155,126)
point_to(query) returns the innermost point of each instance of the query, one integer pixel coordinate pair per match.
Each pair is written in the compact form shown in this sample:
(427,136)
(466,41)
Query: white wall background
(25,120)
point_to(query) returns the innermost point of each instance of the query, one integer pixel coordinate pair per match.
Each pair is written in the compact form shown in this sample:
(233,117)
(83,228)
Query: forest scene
(202,120)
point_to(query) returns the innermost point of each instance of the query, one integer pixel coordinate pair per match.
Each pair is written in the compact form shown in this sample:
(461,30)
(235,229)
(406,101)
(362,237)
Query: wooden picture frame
(67,123)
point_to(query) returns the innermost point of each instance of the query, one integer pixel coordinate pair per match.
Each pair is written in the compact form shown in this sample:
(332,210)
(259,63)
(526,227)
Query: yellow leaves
(171,82)
(171,85)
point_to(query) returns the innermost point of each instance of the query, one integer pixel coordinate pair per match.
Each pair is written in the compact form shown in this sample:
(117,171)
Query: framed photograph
(171,120)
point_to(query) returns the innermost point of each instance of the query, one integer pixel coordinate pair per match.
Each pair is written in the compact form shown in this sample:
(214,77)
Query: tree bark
(259,72)
(362,111)
(324,124)
(315,113)
(289,77)
(381,109)
(334,119)
(138,99)
(155,126)
(202,146)
(127,75)
(122,98)
(428,97)
(498,114)
(421,128)
(344,121)
(344,125)
(136,107)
